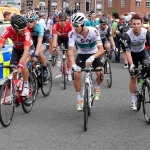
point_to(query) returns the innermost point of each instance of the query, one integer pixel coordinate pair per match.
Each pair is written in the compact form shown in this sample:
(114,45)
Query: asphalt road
(55,124)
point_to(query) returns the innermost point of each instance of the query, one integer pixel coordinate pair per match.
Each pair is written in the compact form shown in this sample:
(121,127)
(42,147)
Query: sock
(25,84)
(44,67)
(97,86)
(69,71)
(133,97)
(79,97)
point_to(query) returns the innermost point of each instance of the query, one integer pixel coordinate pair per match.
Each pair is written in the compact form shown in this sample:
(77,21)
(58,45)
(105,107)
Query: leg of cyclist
(97,63)
(43,60)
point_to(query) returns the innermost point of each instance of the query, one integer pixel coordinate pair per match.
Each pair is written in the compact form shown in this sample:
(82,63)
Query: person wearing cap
(92,20)
(7,16)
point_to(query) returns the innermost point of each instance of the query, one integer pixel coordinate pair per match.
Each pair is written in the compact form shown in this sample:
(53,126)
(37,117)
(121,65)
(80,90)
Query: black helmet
(18,22)
(103,20)
(62,16)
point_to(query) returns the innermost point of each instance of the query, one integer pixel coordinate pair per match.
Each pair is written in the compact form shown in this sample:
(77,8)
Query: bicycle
(63,68)
(107,68)
(10,96)
(88,92)
(44,83)
(53,57)
(143,92)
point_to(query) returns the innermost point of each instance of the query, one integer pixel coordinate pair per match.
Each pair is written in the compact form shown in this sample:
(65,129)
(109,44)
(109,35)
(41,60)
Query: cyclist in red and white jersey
(22,47)
(61,30)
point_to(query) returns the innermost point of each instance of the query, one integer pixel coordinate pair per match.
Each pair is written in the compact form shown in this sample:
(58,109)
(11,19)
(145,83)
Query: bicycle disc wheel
(146,102)
(108,73)
(53,60)
(7,105)
(47,85)
(27,102)
(85,107)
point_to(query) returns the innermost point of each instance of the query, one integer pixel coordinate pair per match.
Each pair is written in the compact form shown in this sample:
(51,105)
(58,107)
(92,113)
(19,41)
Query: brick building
(80,5)
(121,6)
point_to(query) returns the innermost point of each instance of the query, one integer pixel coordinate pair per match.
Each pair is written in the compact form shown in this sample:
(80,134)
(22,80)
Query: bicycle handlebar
(9,66)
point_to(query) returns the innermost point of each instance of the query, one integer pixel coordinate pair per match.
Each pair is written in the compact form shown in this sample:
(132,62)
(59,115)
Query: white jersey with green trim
(86,45)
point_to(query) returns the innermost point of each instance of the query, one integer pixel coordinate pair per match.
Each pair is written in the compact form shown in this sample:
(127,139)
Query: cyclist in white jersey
(89,51)
(134,42)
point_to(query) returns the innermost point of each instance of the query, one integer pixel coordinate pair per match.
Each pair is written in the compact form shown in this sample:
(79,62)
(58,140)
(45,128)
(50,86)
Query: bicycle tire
(53,60)
(27,104)
(146,101)
(64,81)
(47,82)
(139,100)
(85,107)
(108,73)
(5,90)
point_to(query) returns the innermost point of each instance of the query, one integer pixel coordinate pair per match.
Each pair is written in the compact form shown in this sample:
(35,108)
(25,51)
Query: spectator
(7,16)
(110,19)
(42,21)
(92,21)
(115,27)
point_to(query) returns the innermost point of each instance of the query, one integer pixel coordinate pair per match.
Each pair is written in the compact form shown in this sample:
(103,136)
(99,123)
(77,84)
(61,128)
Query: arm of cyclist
(148,37)
(55,32)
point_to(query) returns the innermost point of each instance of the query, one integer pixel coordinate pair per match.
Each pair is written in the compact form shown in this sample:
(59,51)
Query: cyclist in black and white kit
(105,33)
(134,42)
(89,51)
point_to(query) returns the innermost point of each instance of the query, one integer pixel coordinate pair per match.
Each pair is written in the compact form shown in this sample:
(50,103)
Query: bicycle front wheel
(108,73)
(85,107)
(7,105)
(53,60)
(146,101)
(47,84)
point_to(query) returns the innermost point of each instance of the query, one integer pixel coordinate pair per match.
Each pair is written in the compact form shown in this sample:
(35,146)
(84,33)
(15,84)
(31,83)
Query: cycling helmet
(126,18)
(78,18)
(62,16)
(103,20)
(31,16)
(18,22)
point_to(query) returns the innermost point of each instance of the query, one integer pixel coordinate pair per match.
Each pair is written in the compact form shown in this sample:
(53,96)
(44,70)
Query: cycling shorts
(17,54)
(63,40)
(105,40)
(81,59)
(139,57)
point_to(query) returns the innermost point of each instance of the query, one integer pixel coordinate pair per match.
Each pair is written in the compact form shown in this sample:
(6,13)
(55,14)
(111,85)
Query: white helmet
(78,18)
(126,18)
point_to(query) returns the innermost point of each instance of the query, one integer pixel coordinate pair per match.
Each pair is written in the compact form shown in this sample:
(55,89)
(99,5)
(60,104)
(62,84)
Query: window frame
(123,3)
(29,4)
(77,6)
(109,3)
(147,3)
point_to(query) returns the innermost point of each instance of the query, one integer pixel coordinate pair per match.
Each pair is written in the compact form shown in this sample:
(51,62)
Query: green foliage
(113,10)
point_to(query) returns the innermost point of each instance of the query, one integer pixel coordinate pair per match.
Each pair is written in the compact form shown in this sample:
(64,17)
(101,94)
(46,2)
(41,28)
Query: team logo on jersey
(71,34)
(96,31)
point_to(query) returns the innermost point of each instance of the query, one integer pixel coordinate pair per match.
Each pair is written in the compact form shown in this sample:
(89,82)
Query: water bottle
(103,60)
(140,82)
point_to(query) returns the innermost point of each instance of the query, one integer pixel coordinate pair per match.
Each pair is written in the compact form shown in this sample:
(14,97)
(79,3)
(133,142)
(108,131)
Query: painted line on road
(58,76)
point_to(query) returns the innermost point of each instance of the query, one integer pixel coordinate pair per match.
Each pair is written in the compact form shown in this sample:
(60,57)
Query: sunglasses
(104,24)
(75,25)
(30,21)
(62,20)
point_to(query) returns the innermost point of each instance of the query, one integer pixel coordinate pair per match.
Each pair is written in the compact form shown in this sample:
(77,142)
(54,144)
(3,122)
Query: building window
(87,6)
(147,3)
(54,6)
(138,3)
(77,6)
(29,4)
(123,3)
(42,6)
(99,7)
(110,3)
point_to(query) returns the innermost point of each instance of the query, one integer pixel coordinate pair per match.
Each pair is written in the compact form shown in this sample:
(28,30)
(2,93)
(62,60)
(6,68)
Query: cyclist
(89,51)
(23,47)
(134,43)
(105,33)
(61,31)
(39,39)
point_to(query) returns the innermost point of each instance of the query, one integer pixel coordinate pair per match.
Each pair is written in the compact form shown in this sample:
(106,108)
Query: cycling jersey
(135,43)
(37,32)
(62,31)
(86,45)
(104,33)
(19,41)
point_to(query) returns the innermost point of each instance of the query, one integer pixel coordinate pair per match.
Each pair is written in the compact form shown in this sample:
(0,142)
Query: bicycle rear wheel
(108,73)
(7,104)
(139,100)
(146,101)
(85,107)
(27,102)
(47,85)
